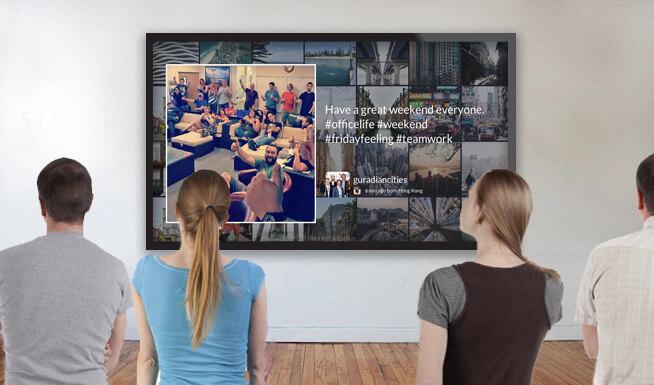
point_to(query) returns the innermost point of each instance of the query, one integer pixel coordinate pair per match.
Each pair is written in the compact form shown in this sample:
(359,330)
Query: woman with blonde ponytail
(201,314)
(482,322)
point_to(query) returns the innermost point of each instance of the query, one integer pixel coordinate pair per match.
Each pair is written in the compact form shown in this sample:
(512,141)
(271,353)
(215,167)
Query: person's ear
(641,200)
(43,212)
(176,210)
(91,203)
(480,216)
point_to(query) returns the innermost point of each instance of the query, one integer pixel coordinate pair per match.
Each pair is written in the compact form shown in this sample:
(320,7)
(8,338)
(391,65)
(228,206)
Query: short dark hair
(65,190)
(310,83)
(645,182)
(271,84)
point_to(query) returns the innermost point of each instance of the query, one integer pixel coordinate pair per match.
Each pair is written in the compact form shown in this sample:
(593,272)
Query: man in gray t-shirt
(62,298)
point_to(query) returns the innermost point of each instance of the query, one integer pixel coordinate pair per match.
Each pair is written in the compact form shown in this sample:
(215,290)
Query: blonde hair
(203,203)
(505,200)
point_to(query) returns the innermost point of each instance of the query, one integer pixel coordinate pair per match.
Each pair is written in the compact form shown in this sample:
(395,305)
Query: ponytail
(203,202)
(203,287)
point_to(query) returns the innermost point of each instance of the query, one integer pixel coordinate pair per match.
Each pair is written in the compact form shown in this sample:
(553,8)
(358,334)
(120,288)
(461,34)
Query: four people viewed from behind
(202,315)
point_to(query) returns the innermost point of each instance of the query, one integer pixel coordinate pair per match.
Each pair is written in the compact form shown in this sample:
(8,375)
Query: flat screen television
(404,124)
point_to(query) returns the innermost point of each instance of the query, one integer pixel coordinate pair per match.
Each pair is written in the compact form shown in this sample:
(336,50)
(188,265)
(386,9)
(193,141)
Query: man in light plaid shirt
(615,304)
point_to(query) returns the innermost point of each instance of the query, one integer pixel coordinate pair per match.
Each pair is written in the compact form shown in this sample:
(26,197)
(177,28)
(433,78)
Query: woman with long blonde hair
(482,322)
(201,314)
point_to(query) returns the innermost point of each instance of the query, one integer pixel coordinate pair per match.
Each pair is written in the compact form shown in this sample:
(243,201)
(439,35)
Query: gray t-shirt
(443,297)
(59,297)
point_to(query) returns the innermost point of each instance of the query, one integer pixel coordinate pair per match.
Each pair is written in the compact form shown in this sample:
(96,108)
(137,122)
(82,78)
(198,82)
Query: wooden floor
(369,364)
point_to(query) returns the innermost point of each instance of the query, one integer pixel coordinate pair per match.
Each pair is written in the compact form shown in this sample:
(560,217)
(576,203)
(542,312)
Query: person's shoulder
(621,242)
(552,283)
(19,249)
(254,271)
(103,255)
(251,265)
(150,258)
(147,260)
(445,276)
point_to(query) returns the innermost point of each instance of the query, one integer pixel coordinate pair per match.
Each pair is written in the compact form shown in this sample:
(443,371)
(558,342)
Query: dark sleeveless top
(497,337)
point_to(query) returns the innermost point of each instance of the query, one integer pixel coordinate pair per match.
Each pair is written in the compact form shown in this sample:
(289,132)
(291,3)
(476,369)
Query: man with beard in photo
(262,165)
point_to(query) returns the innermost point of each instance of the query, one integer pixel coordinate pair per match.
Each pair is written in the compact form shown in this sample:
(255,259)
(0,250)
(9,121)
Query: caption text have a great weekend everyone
(366,124)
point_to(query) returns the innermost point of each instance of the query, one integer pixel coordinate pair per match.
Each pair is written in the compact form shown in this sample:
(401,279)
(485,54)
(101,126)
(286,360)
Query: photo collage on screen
(408,189)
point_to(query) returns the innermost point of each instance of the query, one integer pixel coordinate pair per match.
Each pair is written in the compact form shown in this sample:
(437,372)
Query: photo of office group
(241,121)
(214,108)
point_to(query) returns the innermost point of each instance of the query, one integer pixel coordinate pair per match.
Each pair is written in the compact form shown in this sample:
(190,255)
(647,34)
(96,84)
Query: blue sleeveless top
(221,357)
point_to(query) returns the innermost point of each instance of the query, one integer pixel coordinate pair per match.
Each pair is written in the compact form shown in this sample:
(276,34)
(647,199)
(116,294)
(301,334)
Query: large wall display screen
(387,131)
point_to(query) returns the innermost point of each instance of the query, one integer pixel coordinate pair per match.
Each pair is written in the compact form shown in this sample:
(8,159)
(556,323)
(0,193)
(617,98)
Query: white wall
(73,81)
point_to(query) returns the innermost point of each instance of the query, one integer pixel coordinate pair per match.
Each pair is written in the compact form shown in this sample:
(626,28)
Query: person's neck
(58,227)
(492,252)
(184,256)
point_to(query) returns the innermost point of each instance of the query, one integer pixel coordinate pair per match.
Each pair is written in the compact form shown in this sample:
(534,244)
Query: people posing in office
(212,97)
(62,298)
(267,134)
(251,96)
(308,100)
(303,157)
(224,94)
(202,316)
(288,103)
(307,134)
(183,85)
(249,126)
(230,110)
(204,125)
(220,117)
(180,101)
(264,195)
(203,88)
(271,98)
(261,165)
(199,102)
(482,322)
(173,116)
